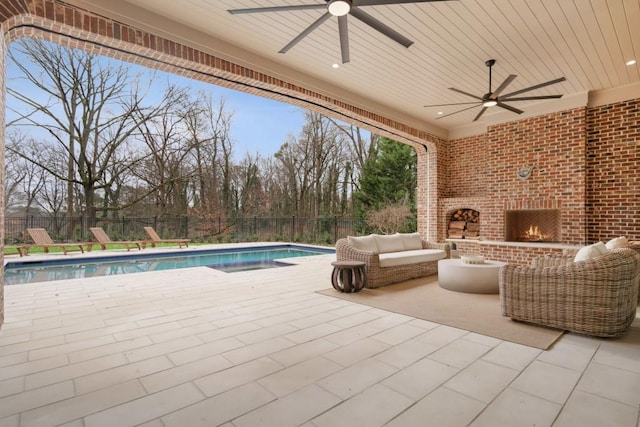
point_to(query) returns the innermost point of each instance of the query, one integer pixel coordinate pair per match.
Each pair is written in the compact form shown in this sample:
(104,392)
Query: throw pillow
(364,243)
(591,251)
(411,241)
(390,243)
(618,242)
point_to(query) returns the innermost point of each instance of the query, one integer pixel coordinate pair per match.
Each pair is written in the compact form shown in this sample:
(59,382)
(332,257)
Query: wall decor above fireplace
(524,173)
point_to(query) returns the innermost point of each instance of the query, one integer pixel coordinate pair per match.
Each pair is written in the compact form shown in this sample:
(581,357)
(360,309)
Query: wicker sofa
(597,296)
(392,258)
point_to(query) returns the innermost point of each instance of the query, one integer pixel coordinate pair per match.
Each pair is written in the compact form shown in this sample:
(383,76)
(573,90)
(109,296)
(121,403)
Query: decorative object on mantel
(472,259)
(524,173)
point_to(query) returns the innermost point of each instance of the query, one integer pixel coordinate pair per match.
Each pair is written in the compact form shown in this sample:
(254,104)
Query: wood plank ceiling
(586,41)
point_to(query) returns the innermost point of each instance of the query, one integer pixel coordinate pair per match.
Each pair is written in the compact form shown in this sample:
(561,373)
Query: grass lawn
(12,249)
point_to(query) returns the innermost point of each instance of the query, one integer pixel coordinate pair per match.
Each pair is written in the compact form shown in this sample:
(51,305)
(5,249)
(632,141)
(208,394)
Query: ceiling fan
(340,8)
(493,98)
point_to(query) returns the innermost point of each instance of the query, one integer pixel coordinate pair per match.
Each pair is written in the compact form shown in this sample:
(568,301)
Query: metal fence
(318,230)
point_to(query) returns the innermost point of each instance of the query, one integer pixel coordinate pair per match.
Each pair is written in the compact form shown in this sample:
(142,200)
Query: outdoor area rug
(424,299)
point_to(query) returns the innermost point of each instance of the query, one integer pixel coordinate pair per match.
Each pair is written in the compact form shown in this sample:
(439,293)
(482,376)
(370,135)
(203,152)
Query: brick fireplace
(484,176)
(583,162)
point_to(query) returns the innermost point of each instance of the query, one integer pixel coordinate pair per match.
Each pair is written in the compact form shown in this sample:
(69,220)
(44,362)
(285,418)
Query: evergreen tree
(388,180)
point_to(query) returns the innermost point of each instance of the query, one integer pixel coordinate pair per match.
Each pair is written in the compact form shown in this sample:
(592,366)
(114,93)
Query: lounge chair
(103,239)
(156,239)
(596,296)
(42,239)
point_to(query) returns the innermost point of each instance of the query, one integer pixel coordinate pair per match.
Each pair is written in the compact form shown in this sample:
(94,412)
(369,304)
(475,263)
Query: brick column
(428,191)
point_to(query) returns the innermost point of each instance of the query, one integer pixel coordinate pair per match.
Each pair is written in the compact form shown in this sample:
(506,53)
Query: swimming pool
(229,260)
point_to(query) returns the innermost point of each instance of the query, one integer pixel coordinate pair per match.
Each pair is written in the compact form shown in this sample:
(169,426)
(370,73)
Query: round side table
(455,275)
(348,276)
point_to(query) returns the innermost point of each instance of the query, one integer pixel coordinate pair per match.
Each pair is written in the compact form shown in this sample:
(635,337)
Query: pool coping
(72,257)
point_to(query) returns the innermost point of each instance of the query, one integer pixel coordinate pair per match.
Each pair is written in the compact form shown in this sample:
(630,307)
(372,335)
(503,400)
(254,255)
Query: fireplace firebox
(533,225)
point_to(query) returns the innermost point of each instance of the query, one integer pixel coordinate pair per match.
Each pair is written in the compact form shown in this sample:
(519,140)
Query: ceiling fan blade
(480,114)
(466,93)
(381,27)
(509,107)
(502,87)
(538,86)
(456,112)
(530,98)
(455,103)
(277,9)
(383,2)
(306,32)
(344,38)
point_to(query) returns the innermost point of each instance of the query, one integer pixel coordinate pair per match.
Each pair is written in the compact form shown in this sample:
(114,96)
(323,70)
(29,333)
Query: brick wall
(613,171)
(586,163)
(482,172)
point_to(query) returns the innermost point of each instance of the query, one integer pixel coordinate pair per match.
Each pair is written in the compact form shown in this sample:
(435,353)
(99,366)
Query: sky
(258,125)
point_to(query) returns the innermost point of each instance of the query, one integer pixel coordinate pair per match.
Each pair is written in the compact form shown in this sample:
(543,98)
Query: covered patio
(200,347)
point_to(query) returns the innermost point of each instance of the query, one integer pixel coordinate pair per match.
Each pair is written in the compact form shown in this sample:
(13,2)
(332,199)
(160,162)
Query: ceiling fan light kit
(339,7)
(494,98)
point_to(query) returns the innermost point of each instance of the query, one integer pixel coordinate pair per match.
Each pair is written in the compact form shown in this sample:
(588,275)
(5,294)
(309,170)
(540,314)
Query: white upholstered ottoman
(455,275)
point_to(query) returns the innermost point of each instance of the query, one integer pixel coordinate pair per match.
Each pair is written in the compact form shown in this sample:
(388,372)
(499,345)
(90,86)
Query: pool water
(227,260)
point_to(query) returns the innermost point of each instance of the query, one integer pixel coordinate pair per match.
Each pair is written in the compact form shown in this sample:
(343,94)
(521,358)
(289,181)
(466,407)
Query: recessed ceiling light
(440,113)
(631,62)
(335,66)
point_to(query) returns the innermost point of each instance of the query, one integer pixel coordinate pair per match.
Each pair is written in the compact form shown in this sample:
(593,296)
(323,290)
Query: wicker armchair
(596,297)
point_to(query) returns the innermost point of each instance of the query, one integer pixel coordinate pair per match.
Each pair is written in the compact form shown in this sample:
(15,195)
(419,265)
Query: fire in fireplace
(534,234)
(533,225)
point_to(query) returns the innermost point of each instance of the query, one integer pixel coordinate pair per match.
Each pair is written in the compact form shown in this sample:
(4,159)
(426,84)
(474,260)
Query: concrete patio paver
(201,347)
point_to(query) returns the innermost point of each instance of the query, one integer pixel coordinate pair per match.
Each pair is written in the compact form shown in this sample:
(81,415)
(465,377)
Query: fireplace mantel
(517,244)
(518,253)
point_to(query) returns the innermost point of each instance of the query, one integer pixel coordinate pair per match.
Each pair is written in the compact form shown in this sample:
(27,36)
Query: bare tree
(208,126)
(360,149)
(24,180)
(390,218)
(249,193)
(15,174)
(84,104)
(166,170)
(313,163)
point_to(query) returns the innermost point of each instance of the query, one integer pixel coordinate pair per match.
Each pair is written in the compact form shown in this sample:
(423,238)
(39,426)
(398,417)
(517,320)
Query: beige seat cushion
(393,259)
